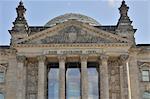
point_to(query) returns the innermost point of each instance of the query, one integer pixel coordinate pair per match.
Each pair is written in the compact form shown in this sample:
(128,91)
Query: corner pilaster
(134,74)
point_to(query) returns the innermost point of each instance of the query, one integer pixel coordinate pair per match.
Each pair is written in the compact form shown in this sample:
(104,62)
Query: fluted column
(104,79)
(124,77)
(84,77)
(21,70)
(62,77)
(134,74)
(41,77)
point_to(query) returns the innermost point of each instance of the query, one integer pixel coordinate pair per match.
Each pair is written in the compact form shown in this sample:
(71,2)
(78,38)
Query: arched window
(53,83)
(73,83)
(1,96)
(93,88)
(146,95)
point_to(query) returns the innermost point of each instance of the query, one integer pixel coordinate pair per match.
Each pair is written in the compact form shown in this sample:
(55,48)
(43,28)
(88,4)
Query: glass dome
(75,16)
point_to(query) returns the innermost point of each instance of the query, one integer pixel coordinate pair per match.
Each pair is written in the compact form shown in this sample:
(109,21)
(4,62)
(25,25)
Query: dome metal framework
(75,16)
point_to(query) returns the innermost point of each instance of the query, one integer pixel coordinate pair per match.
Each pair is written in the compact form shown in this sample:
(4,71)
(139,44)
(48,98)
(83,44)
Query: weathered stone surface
(62,81)
(79,40)
(114,78)
(32,80)
(84,77)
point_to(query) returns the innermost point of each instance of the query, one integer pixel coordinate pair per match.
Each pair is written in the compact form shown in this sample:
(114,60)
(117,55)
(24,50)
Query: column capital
(124,57)
(21,58)
(41,58)
(83,57)
(134,50)
(62,58)
(104,57)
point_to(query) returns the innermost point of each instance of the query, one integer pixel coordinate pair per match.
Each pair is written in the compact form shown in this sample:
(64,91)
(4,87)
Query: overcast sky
(39,12)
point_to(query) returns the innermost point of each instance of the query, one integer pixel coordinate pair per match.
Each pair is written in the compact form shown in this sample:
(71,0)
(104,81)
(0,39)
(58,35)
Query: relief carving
(73,34)
(3,67)
(32,80)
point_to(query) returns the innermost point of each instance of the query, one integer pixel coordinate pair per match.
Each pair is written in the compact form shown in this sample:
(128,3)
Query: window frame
(3,77)
(144,94)
(146,76)
(95,65)
(51,65)
(73,65)
(3,68)
(144,67)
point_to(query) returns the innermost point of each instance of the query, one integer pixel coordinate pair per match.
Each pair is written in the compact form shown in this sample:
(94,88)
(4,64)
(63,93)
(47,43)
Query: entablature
(71,49)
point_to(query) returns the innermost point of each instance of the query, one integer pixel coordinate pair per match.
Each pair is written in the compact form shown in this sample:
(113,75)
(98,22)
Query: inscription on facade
(55,52)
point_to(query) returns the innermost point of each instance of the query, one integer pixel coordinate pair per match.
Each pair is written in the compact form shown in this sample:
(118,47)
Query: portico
(82,60)
(73,56)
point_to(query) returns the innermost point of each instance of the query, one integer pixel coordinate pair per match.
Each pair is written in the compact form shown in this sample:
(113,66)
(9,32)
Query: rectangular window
(145,75)
(1,77)
(1,96)
(146,95)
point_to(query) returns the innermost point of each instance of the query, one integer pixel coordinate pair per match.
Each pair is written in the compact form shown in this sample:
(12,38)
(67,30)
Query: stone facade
(120,61)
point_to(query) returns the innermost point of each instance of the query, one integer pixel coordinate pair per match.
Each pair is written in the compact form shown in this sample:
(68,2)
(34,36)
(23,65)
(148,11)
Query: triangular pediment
(72,32)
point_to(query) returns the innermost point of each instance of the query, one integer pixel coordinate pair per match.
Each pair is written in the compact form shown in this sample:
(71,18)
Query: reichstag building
(74,57)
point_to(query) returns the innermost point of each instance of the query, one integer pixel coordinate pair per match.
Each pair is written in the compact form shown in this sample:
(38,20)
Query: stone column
(41,77)
(21,83)
(124,77)
(104,79)
(62,77)
(134,74)
(84,77)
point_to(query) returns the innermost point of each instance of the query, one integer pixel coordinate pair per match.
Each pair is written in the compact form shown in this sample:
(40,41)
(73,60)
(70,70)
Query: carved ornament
(104,57)
(3,67)
(21,58)
(124,57)
(83,57)
(62,58)
(41,58)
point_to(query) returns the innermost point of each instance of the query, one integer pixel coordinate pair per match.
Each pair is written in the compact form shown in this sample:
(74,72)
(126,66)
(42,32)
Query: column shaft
(84,77)
(62,77)
(21,85)
(104,79)
(124,77)
(41,77)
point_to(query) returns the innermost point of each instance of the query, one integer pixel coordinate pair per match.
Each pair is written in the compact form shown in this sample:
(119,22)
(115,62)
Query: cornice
(73,45)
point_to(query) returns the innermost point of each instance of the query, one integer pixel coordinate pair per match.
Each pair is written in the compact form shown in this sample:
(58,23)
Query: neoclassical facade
(74,57)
